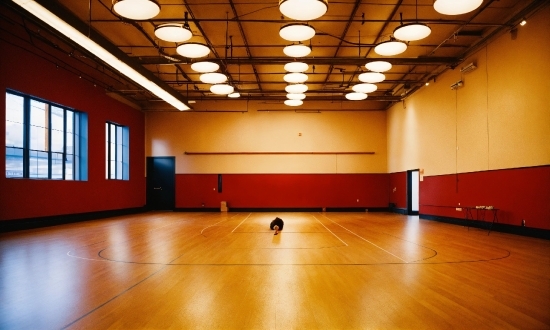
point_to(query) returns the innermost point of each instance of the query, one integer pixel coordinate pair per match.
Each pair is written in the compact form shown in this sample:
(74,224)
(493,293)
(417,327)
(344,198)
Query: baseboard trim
(40,222)
(398,210)
(499,227)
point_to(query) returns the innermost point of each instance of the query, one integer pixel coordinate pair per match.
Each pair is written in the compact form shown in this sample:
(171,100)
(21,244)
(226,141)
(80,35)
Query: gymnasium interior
(141,177)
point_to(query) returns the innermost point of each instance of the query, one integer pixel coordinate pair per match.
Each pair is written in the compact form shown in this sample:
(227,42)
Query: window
(44,140)
(117,151)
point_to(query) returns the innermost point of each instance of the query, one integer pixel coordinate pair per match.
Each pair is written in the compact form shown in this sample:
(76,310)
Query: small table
(480,214)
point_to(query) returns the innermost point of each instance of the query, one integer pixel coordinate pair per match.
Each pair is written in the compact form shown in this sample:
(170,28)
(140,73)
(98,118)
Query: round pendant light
(390,48)
(296,88)
(364,88)
(355,96)
(294,103)
(453,7)
(193,50)
(293,96)
(378,66)
(303,10)
(213,78)
(297,32)
(205,66)
(296,67)
(295,77)
(371,77)
(173,32)
(222,89)
(234,95)
(136,9)
(412,31)
(297,50)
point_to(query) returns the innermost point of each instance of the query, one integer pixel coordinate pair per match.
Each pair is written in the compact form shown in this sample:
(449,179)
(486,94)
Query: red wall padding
(27,198)
(522,193)
(283,190)
(398,181)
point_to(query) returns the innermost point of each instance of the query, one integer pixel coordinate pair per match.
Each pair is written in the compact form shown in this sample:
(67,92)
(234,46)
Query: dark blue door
(161,187)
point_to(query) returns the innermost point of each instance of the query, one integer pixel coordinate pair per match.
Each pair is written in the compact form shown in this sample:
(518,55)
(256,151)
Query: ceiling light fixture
(391,47)
(294,103)
(297,50)
(296,67)
(234,95)
(355,96)
(297,32)
(136,9)
(205,66)
(296,88)
(222,89)
(213,78)
(412,31)
(453,7)
(295,77)
(193,50)
(378,66)
(371,77)
(295,96)
(303,10)
(523,22)
(173,32)
(364,88)
(91,46)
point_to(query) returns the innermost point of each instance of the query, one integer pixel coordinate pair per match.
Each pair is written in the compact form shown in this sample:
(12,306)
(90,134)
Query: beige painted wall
(499,119)
(173,133)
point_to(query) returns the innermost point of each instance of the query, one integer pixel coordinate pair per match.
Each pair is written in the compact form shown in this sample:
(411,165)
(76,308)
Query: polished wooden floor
(228,271)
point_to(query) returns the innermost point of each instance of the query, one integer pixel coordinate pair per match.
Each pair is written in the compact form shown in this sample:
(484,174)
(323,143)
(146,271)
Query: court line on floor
(219,222)
(330,231)
(366,240)
(249,214)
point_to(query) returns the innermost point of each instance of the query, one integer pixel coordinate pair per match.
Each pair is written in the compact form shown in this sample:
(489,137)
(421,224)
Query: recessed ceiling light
(296,88)
(412,31)
(364,88)
(303,10)
(354,96)
(378,66)
(222,89)
(371,77)
(295,96)
(390,48)
(296,67)
(213,78)
(295,77)
(193,50)
(294,103)
(205,66)
(453,7)
(173,32)
(136,9)
(297,50)
(297,32)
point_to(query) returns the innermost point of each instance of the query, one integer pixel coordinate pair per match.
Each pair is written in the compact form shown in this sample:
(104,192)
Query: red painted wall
(25,72)
(283,190)
(398,181)
(522,193)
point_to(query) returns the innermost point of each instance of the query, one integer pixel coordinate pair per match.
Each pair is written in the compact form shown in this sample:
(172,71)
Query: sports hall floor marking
(219,222)
(331,231)
(366,240)
(249,214)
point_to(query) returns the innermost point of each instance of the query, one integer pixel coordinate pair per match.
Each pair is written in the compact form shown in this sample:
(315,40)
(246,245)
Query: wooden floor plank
(163,270)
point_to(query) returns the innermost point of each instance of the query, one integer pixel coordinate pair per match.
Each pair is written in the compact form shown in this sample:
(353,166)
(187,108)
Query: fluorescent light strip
(49,18)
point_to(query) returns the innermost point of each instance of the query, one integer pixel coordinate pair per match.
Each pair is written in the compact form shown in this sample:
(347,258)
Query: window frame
(78,150)
(121,152)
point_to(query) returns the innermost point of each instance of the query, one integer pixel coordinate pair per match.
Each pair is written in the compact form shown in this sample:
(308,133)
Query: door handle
(157,188)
